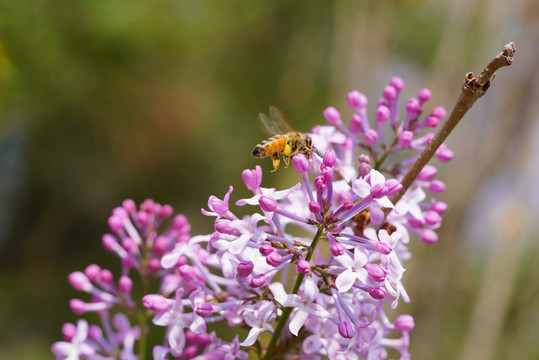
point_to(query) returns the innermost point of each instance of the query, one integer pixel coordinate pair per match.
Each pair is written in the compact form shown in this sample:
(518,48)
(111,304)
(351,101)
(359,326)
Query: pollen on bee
(287,150)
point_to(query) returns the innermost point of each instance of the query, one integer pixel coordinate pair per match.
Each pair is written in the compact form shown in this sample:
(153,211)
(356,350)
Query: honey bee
(286,140)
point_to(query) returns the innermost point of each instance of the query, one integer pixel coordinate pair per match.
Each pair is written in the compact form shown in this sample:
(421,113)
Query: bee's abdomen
(270,146)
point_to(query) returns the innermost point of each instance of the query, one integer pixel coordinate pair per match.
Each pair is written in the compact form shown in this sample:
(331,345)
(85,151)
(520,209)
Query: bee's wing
(276,123)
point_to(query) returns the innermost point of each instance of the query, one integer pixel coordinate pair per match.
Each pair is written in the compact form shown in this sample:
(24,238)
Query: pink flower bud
(181,224)
(267,204)
(428,236)
(347,205)
(167,211)
(370,136)
(377,293)
(390,93)
(154,264)
(346,329)
(432,121)
(444,154)
(93,272)
(125,284)
(155,302)
(329,158)
(404,323)
(68,331)
(436,186)
(143,218)
(337,249)
(303,267)
(190,352)
(427,173)
(424,95)
(412,106)
(300,163)
(274,259)
(439,206)
(405,138)
(252,178)
(258,281)
(377,272)
(245,268)
(77,306)
(383,248)
(314,207)
(364,169)
(356,124)
(129,206)
(79,281)
(433,218)
(106,276)
(115,224)
(223,226)
(438,112)
(382,113)
(266,249)
(378,191)
(202,340)
(319,183)
(204,309)
(357,100)
(393,186)
(332,116)
(397,83)
(415,223)
(160,245)
(95,333)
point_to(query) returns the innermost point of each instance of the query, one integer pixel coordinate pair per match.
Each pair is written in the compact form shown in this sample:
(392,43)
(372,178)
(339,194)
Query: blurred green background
(105,100)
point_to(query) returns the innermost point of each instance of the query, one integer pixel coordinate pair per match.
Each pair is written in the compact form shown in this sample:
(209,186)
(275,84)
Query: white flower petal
(345,280)
(298,320)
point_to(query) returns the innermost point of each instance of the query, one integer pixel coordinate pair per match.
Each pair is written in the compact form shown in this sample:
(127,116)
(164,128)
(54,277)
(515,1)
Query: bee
(287,141)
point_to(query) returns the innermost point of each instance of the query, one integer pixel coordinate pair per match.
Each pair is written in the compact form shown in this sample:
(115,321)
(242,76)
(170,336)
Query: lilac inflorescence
(329,234)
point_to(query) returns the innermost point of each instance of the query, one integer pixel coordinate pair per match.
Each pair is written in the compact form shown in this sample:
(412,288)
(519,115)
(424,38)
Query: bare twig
(473,88)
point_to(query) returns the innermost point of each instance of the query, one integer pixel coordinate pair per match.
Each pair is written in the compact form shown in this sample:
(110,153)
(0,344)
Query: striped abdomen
(270,146)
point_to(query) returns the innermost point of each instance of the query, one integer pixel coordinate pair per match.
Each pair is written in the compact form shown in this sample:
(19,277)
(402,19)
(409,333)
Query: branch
(473,88)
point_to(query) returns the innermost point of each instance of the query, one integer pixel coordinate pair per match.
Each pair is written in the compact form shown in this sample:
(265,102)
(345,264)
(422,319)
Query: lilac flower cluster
(314,268)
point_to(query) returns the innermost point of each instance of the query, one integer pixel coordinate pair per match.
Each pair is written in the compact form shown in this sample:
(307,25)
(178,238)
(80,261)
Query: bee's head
(309,142)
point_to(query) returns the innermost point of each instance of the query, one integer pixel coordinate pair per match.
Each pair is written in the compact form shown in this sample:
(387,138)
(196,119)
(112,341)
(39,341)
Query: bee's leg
(286,161)
(276,161)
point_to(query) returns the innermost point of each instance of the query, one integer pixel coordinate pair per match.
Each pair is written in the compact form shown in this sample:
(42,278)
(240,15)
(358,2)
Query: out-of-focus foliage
(103,100)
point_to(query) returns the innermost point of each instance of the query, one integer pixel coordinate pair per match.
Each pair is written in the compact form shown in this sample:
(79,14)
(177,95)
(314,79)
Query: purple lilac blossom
(328,233)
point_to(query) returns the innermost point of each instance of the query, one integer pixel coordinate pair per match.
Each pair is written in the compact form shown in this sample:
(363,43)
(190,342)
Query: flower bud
(404,323)
(93,272)
(405,138)
(258,281)
(427,173)
(370,136)
(303,267)
(397,83)
(329,158)
(432,121)
(424,95)
(382,113)
(77,306)
(204,309)
(79,281)
(300,163)
(337,249)
(314,207)
(436,186)
(390,93)
(378,191)
(245,268)
(433,218)
(252,178)
(438,112)
(356,124)
(266,249)
(155,302)
(444,154)
(382,248)
(357,100)
(346,330)
(393,186)
(274,259)
(267,203)
(377,293)
(428,236)
(332,116)
(377,272)
(129,206)
(68,331)
(125,284)
(439,206)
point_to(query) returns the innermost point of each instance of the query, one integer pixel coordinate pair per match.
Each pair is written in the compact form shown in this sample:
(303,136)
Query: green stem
(288,310)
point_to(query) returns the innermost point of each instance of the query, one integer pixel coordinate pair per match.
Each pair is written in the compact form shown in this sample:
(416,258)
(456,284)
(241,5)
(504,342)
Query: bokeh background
(106,100)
